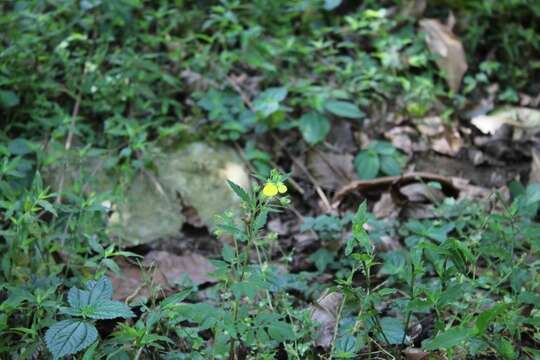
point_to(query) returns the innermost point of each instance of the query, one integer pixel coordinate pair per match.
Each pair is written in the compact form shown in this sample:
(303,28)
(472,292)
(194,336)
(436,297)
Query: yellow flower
(281,188)
(270,189)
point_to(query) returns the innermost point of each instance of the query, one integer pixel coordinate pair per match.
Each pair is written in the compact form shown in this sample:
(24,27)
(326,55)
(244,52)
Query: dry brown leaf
(330,170)
(415,354)
(384,183)
(451,56)
(130,283)
(450,144)
(385,207)
(420,192)
(534,176)
(175,268)
(401,137)
(324,312)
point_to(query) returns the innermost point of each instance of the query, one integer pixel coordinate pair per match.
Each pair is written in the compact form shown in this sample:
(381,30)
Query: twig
(67,146)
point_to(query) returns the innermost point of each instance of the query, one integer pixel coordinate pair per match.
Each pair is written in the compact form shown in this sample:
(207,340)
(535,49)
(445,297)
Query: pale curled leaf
(324,312)
(330,170)
(534,176)
(448,49)
(521,117)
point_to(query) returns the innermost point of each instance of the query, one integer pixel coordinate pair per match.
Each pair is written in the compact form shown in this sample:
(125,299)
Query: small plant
(72,335)
(378,157)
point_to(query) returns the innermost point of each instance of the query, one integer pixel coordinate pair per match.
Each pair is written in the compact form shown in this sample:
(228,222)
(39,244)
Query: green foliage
(70,336)
(378,157)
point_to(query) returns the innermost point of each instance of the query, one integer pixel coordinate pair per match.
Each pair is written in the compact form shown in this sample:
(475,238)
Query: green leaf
(486,318)
(8,99)
(448,339)
(110,309)
(78,298)
(69,337)
(19,146)
(390,165)
(314,127)
(99,290)
(281,331)
(238,190)
(367,164)
(267,102)
(260,220)
(393,330)
(331,4)
(344,109)
(382,147)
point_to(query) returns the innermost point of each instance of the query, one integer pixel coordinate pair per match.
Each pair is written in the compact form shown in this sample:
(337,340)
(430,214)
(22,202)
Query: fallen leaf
(175,268)
(415,354)
(521,117)
(385,207)
(451,56)
(324,312)
(384,183)
(534,176)
(401,137)
(130,284)
(449,144)
(331,170)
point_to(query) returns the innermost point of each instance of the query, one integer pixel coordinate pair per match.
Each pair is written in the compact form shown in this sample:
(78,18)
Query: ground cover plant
(227,179)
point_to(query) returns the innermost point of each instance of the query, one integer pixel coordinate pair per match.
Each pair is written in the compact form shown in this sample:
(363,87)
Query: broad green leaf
(393,330)
(19,147)
(345,346)
(238,190)
(110,309)
(78,298)
(382,147)
(281,331)
(267,102)
(8,99)
(486,318)
(448,339)
(390,165)
(99,290)
(69,337)
(344,109)
(314,127)
(367,164)
(331,4)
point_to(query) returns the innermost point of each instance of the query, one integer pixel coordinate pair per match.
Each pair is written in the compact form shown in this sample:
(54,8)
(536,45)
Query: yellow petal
(281,188)
(270,190)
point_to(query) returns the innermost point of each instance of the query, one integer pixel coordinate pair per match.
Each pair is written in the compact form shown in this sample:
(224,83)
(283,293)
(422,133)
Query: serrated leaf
(238,190)
(448,339)
(110,309)
(314,127)
(344,109)
(99,290)
(367,164)
(69,337)
(267,102)
(280,331)
(393,330)
(78,298)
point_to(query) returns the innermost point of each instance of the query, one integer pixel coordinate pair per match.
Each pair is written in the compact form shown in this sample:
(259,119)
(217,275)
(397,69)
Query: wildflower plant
(247,318)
